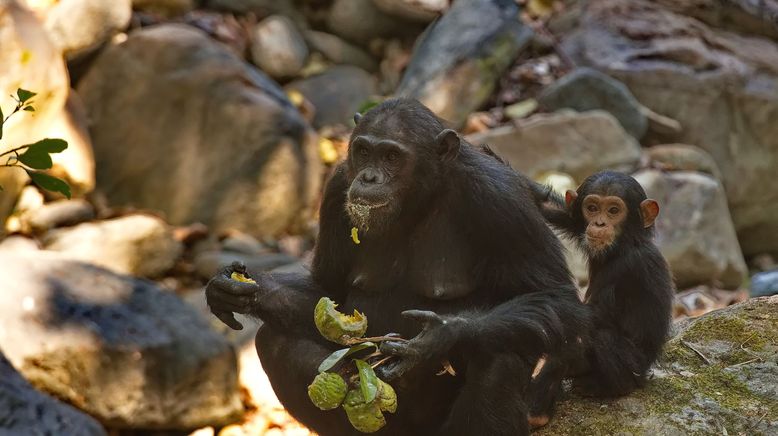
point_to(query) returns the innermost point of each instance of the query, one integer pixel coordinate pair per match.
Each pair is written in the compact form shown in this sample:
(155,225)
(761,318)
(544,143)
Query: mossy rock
(734,392)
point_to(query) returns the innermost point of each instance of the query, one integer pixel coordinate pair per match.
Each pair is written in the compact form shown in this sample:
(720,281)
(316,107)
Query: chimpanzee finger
(217,305)
(229,319)
(392,370)
(235,266)
(230,286)
(397,348)
(218,295)
(425,317)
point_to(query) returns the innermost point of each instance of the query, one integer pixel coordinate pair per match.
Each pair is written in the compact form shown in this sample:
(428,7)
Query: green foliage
(35,156)
(368,381)
(335,358)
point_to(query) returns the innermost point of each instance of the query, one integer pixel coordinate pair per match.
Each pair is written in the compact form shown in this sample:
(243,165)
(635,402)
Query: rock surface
(764,284)
(59,213)
(336,93)
(694,230)
(221,144)
(25,411)
(578,144)
(120,349)
(722,87)
(585,89)
(28,59)
(457,62)
(361,21)
(277,47)
(736,393)
(138,245)
(416,10)
(166,8)
(681,157)
(339,51)
(81,26)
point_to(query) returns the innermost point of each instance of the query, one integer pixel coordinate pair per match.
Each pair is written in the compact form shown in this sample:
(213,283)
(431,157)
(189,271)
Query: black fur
(469,245)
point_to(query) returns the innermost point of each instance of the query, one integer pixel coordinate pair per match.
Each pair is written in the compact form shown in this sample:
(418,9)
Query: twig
(756,356)
(745,363)
(380,362)
(699,353)
(355,341)
(14,150)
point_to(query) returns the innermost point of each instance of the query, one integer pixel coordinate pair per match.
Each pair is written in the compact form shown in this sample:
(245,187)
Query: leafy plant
(36,156)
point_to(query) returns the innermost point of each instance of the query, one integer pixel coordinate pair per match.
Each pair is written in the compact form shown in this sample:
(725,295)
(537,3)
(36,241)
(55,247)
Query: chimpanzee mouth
(360,212)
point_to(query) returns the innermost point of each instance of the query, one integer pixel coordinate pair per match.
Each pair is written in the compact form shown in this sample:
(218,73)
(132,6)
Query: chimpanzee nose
(369,176)
(599,223)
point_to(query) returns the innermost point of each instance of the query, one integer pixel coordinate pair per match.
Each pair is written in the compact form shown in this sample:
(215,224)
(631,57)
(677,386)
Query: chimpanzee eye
(591,208)
(613,210)
(392,156)
(363,151)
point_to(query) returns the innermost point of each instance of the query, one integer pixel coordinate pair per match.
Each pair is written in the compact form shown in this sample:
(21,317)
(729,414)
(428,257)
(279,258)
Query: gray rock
(681,157)
(742,16)
(261,7)
(168,8)
(59,213)
(694,230)
(722,87)
(123,350)
(585,89)
(737,391)
(219,144)
(361,22)
(243,243)
(764,284)
(25,411)
(208,263)
(81,26)
(277,47)
(416,10)
(578,144)
(339,51)
(139,245)
(458,60)
(336,93)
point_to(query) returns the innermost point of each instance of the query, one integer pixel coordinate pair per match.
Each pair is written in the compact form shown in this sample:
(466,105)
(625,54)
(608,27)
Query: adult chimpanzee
(453,253)
(630,288)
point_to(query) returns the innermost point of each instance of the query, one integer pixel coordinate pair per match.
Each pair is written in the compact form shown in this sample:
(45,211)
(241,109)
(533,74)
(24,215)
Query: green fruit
(334,325)
(365,417)
(387,398)
(327,390)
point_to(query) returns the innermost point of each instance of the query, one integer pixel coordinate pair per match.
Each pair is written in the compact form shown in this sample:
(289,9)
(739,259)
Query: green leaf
(334,358)
(368,381)
(36,158)
(49,183)
(29,109)
(24,94)
(50,145)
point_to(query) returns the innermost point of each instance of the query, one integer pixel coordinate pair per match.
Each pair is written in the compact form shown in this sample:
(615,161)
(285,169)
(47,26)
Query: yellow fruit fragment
(327,151)
(365,417)
(387,398)
(354,235)
(327,390)
(241,278)
(334,325)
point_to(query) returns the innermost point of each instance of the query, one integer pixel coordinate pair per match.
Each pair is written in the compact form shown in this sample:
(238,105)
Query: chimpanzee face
(380,170)
(605,216)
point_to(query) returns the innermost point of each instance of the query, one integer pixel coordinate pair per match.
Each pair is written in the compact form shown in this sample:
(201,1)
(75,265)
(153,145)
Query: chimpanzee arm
(553,207)
(287,300)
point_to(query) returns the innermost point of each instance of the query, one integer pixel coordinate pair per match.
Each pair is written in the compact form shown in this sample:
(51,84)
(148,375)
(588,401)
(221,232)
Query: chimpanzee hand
(437,337)
(225,295)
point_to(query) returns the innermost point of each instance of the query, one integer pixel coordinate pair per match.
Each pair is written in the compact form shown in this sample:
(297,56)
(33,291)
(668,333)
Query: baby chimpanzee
(630,288)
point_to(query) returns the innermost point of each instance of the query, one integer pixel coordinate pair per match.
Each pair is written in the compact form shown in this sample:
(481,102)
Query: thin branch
(699,353)
(380,362)
(14,150)
(355,341)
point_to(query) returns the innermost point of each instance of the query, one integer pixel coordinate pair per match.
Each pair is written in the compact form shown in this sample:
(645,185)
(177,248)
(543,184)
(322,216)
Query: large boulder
(361,22)
(338,51)
(722,88)
(694,229)
(25,411)
(578,144)
(139,245)
(81,26)
(719,375)
(123,350)
(207,137)
(77,163)
(336,93)
(457,62)
(743,16)
(29,60)
(416,10)
(585,89)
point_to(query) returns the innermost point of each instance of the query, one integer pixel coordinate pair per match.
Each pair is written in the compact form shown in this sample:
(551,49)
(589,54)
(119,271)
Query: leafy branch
(35,156)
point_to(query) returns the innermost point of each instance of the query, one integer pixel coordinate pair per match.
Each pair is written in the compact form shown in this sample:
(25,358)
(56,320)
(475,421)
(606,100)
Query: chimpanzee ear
(357,117)
(448,143)
(649,209)
(570,197)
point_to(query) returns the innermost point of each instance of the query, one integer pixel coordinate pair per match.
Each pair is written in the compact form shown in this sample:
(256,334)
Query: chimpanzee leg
(491,402)
(544,389)
(291,363)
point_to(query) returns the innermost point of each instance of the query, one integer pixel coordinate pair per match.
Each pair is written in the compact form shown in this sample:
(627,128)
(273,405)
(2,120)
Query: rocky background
(201,132)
